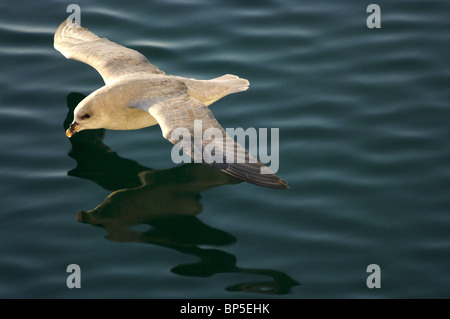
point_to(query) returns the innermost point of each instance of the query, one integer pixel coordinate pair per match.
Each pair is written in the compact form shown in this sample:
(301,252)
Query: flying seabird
(137,94)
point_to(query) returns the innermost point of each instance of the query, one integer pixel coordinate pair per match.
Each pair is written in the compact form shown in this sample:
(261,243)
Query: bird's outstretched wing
(110,59)
(180,111)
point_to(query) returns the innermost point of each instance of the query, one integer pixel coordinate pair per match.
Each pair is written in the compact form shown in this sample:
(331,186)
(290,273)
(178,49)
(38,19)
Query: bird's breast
(131,119)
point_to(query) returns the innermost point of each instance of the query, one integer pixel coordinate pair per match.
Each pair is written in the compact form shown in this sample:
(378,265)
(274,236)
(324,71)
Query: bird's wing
(110,59)
(176,115)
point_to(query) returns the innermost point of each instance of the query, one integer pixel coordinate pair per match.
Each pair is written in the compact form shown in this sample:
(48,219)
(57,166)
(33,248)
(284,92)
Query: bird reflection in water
(168,201)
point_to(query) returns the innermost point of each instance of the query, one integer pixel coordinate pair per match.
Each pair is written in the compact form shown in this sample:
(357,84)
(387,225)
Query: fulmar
(137,94)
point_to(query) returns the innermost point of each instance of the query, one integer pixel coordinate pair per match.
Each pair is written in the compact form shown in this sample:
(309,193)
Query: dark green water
(364,145)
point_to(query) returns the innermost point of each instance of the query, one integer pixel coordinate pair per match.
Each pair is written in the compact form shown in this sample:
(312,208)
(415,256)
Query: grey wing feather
(180,111)
(110,59)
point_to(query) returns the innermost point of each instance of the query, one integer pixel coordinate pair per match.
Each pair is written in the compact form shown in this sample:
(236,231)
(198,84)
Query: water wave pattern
(363,118)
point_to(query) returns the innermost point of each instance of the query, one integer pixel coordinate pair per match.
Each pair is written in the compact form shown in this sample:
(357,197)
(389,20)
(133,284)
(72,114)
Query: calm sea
(363,117)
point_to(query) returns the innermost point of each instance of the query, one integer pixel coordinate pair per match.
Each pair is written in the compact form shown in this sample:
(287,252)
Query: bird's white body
(124,96)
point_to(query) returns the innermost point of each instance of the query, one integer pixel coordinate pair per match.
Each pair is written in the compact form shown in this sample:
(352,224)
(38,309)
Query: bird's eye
(85,116)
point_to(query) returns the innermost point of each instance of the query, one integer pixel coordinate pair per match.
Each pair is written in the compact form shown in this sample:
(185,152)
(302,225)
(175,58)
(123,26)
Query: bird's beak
(73,128)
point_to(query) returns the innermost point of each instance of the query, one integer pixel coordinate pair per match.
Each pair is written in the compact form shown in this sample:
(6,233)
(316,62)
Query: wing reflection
(167,202)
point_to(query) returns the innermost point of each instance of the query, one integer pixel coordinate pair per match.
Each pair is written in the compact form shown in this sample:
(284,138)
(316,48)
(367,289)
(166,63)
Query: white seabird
(137,94)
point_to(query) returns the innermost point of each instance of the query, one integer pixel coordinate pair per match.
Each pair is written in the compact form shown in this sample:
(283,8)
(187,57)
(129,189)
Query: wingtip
(284,185)
(264,180)
(71,29)
(277,185)
(280,185)
(60,32)
(63,25)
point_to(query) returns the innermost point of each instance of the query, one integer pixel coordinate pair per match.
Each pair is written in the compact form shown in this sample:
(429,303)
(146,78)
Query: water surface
(364,129)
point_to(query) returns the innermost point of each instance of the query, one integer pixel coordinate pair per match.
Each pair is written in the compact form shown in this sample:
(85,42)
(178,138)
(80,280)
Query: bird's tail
(232,82)
(209,91)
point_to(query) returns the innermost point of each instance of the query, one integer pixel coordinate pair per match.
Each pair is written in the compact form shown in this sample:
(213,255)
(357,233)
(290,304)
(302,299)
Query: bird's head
(85,117)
